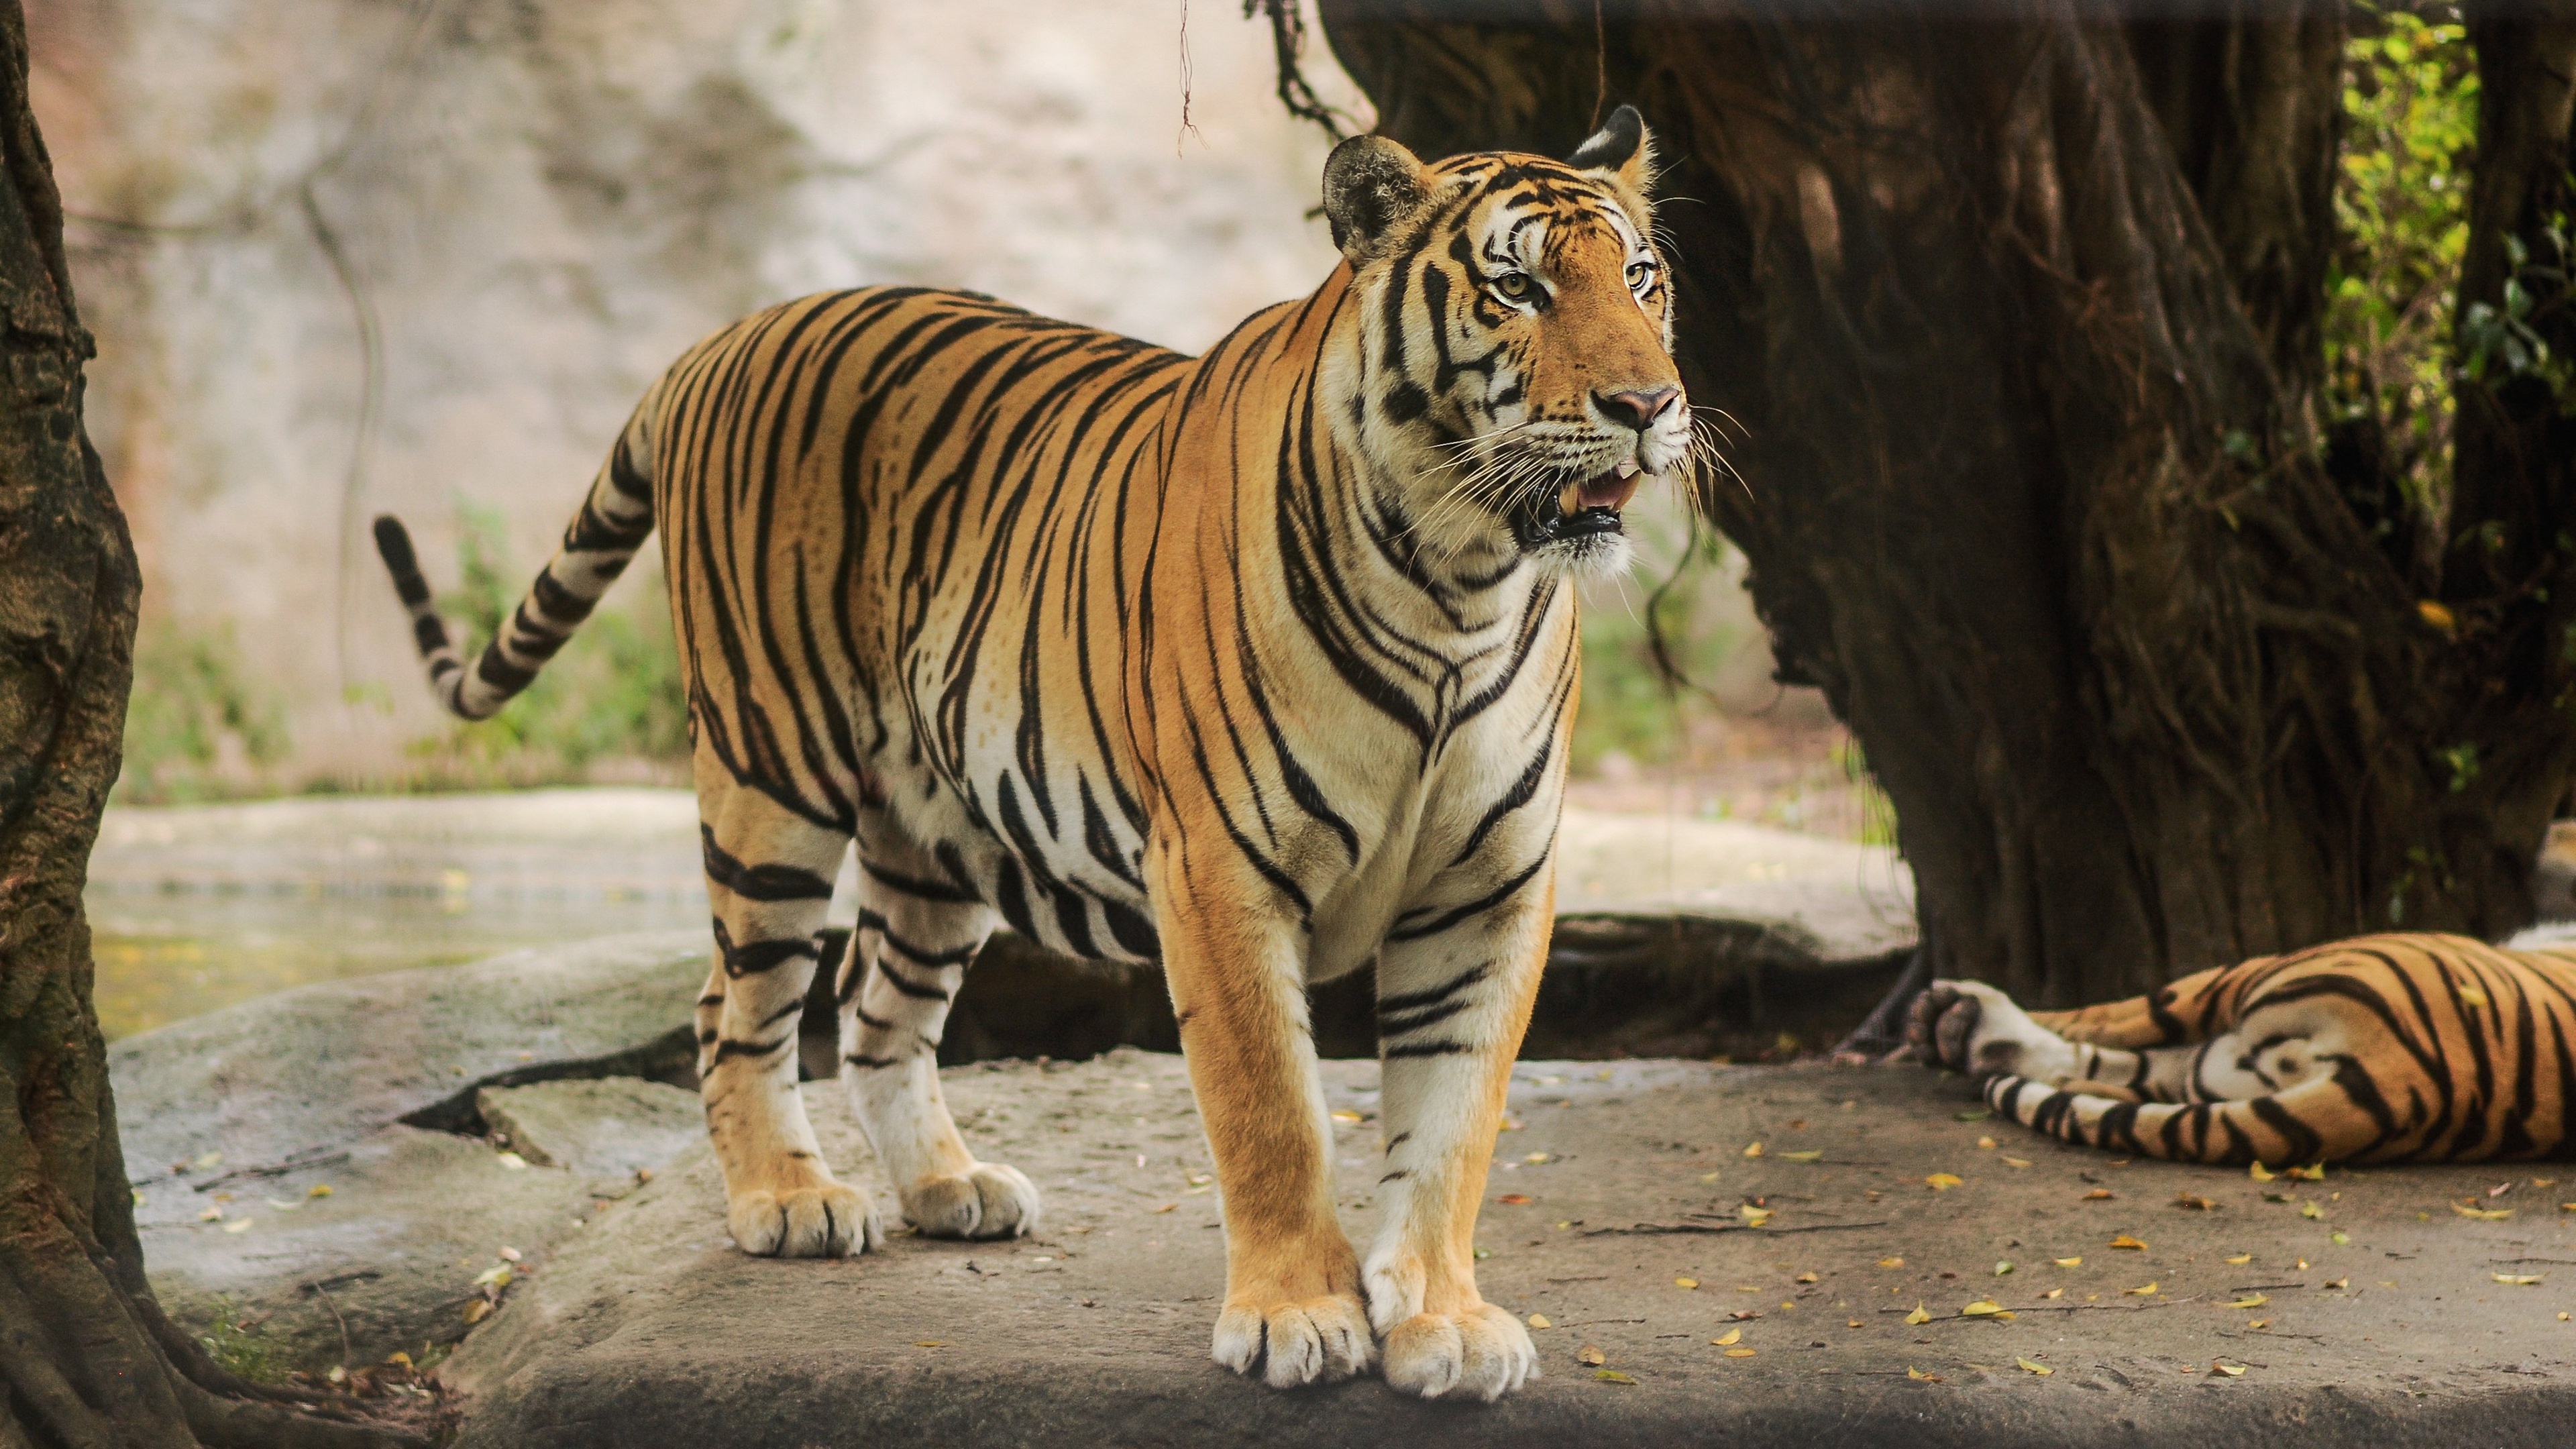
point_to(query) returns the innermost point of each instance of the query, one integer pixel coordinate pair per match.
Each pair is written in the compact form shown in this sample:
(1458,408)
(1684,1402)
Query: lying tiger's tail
(613,523)
(2325,1120)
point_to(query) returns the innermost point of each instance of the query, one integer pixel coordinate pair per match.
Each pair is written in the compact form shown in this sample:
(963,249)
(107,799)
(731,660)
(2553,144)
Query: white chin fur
(1596,556)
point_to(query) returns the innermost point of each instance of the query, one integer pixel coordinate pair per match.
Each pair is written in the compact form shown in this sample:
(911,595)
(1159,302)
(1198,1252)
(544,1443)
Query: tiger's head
(1512,371)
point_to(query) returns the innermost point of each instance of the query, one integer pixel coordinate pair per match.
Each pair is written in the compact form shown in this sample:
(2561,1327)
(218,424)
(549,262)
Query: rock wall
(349,256)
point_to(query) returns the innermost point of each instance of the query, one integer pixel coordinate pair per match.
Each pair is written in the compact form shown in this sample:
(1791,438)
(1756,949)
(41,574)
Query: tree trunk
(2031,493)
(86,1357)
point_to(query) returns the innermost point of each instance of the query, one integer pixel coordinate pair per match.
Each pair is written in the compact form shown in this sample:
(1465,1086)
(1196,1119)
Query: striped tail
(2325,1120)
(613,523)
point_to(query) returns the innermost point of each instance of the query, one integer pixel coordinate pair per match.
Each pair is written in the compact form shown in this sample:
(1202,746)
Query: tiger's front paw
(1483,1353)
(986,1201)
(1289,1345)
(828,1220)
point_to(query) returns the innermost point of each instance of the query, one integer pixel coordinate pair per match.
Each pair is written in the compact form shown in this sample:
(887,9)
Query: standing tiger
(1260,665)
(2389,1048)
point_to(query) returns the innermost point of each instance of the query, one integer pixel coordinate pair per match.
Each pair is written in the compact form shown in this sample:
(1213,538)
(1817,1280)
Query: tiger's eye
(1639,274)
(1513,286)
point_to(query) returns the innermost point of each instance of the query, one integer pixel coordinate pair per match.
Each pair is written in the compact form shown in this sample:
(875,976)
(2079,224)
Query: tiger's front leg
(1454,997)
(1293,1313)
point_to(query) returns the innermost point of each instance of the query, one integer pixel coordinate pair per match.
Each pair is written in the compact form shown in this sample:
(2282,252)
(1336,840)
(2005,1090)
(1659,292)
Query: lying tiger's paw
(1288,1345)
(987,1201)
(831,1220)
(1971,1027)
(1480,1354)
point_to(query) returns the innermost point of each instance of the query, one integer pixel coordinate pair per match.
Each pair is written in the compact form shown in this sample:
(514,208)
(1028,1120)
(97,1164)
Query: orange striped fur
(1260,665)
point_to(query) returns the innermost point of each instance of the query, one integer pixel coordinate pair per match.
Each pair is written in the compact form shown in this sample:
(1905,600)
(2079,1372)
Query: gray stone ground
(632,1321)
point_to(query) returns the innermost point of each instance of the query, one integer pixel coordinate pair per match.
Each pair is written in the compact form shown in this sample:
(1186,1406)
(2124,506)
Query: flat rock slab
(1826,900)
(232,1120)
(302,1073)
(648,1328)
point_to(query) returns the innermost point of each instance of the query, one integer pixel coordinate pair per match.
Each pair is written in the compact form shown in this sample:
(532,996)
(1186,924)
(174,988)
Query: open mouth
(1580,509)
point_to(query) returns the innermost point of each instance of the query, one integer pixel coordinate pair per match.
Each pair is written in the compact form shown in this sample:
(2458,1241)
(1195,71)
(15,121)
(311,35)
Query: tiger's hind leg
(917,935)
(769,881)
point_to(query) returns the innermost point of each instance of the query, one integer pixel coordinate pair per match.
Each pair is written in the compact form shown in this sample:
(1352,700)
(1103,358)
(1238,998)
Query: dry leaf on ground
(1590,1355)
(2125,1241)
(1942,1181)
(2042,1370)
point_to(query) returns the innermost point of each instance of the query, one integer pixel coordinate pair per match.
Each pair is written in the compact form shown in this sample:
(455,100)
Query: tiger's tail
(602,538)
(2324,1120)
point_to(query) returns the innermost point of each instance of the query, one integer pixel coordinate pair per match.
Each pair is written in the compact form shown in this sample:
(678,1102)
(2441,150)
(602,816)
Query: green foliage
(193,714)
(612,694)
(241,1349)
(1628,704)
(2401,207)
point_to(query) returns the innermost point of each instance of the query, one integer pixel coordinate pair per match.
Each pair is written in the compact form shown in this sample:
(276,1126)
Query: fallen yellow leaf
(1533,1157)
(2229,1369)
(1513,1199)
(930,1343)
(2241,1259)
(2125,1241)
(1539,1320)
(1612,1376)
(2255,1301)
(1754,1217)
(2260,1323)
(2099,1194)
(1739,1353)
(2311,1211)
(2313,1172)
(1753,1150)
(1345,1114)
(1590,1356)
(478,1310)
(239,1225)
(1986,1143)
(1731,1336)
(1920,1376)
(2002,1267)
(2485,1215)
(1167,1207)
(1685,1282)
(2149,1291)
(2195,1202)
(1900,1262)
(2519,1280)
(2259,1172)
(1942,1181)
(2054,1293)
(2068,1262)
(1982,1308)
(319,1189)
(1802,1156)
(1918,1315)
(2042,1370)
(2010,1161)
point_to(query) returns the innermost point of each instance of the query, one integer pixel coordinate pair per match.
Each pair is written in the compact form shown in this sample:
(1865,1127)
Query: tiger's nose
(1635,409)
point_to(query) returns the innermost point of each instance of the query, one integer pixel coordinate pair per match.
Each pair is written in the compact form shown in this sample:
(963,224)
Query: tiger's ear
(1370,184)
(1621,147)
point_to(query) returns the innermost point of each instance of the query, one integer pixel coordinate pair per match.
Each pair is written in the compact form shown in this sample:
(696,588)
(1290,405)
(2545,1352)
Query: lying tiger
(2390,1048)
(1260,665)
